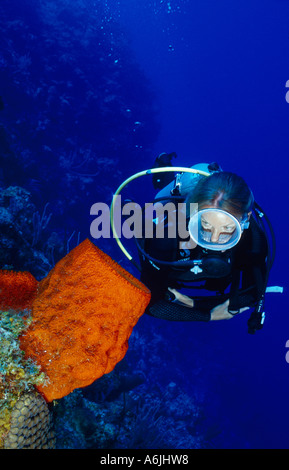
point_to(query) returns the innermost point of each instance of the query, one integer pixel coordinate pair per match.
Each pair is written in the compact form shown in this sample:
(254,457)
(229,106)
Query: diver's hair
(223,190)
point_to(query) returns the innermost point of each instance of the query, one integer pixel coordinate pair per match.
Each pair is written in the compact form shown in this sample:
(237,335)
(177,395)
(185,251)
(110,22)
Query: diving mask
(215,229)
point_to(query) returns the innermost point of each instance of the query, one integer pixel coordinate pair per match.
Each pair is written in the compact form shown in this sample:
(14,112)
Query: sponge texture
(82,318)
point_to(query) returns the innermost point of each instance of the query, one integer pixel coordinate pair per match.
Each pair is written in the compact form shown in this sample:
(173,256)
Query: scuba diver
(225,259)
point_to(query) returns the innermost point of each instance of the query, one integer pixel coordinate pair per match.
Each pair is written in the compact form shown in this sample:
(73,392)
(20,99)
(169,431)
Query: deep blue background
(220,69)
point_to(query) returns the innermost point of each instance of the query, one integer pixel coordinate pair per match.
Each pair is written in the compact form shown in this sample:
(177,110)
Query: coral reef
(136,405)
(31,425)
(146,416)
(154,421)
(75,105)
(83,315)
(24,244)
(18,375)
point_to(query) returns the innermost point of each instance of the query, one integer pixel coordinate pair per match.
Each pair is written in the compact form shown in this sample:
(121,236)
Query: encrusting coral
(18,377)
(82,317)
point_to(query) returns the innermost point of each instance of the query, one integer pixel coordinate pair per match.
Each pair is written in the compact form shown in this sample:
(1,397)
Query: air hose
(138,175)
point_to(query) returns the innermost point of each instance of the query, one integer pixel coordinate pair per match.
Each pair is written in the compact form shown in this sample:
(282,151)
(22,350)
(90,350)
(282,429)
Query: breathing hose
(138,175)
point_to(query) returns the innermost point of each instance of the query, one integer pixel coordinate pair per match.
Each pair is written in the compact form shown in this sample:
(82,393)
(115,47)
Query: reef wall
(76,110)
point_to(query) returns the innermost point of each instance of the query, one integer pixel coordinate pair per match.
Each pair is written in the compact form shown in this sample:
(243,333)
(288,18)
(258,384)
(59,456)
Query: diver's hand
(181,298)
(221,311)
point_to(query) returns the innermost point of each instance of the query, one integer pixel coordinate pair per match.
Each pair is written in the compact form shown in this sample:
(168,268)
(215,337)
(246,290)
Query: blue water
(216,72)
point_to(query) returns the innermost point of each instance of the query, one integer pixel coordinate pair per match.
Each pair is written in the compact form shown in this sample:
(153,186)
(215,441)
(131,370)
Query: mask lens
(215,229)
(207,236)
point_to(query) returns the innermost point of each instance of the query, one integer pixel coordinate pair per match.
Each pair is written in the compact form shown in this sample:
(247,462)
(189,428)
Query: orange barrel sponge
(17,290)
(82,318)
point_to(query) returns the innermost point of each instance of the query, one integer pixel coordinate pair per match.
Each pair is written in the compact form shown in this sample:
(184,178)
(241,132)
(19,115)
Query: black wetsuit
(242,283)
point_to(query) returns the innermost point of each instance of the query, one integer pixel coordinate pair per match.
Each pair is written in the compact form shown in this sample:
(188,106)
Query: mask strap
(245,223)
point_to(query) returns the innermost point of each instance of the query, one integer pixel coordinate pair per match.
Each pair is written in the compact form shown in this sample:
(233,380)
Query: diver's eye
(229,229)
(206,224)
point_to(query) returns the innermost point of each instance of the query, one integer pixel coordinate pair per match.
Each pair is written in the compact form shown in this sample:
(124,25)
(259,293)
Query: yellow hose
(135,176)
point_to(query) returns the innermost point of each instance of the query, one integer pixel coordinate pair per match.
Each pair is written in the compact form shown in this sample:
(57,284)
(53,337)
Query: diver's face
(219,225)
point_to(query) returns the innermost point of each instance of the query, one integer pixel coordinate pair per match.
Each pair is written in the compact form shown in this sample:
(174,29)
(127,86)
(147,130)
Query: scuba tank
(183,183)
